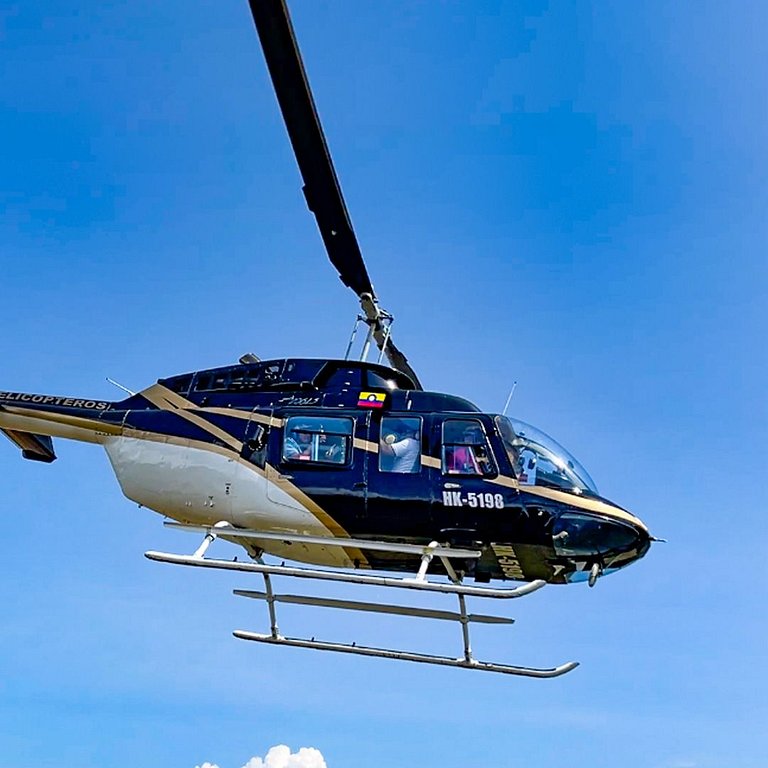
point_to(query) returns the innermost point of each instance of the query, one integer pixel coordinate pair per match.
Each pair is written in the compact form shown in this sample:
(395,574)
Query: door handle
(285,477)
(451,485)
(360,485)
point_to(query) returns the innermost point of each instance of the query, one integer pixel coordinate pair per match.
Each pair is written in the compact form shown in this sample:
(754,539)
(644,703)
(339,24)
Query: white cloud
(281,756)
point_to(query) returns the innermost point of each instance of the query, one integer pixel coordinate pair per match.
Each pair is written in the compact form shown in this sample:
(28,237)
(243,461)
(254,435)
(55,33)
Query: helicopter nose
(617,542)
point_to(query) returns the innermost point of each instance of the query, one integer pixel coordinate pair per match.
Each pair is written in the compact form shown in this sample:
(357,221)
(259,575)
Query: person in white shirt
(400,449)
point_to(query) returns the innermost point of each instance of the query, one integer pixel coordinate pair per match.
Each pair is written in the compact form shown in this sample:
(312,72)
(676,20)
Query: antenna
(120,386)
(509,399)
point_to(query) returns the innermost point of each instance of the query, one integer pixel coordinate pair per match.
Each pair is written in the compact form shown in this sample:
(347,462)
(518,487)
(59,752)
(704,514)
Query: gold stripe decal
(82,422)
(507,482)
(593,505)
(166,400)
(236,413)
(279,480)
(366,445)
(162,397)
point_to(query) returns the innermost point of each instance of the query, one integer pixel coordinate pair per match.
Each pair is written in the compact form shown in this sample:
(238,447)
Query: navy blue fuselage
(467,485)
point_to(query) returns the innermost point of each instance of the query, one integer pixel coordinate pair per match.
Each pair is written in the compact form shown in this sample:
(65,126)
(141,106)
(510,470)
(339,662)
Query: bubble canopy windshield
(539,460)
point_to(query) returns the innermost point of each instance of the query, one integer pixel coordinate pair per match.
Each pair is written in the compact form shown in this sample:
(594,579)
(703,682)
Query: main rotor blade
(321,186)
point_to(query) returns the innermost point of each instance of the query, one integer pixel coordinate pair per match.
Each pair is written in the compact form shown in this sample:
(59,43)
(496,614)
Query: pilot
(400,449)
(298,444)
(526,467)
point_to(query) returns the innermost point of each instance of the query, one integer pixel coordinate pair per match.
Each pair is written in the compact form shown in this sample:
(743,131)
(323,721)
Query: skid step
(357,605)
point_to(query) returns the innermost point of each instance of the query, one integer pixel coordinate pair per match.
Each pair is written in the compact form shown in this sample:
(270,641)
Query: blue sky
(569,195)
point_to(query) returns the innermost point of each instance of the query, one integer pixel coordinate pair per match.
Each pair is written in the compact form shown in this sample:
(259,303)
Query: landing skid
(418,582)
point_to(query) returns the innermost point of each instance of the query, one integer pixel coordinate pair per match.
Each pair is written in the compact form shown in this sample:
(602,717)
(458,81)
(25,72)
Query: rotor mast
(321,185)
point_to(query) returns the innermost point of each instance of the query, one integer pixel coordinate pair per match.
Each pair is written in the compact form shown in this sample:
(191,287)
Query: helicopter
(347,466)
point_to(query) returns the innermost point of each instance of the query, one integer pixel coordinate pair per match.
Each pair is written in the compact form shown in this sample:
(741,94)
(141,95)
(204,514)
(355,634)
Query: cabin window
(345,378)
(301,371)
(318,440)
(465,449)
(178,384)
(272,373)
(240,379)
(212,381)
(400,445)
(220,380)
(247,379)
(377,381)
(244,380)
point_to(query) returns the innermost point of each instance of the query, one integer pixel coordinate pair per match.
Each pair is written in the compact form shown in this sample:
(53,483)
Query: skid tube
(423,658)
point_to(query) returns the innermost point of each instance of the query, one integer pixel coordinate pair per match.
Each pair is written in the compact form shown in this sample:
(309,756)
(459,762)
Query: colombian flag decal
(371,400)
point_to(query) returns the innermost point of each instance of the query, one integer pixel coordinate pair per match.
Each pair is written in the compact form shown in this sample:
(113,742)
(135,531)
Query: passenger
(400,449)
(298,445)
(460,459)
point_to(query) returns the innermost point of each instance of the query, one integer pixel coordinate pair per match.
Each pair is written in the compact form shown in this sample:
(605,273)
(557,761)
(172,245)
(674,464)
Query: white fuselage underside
(201,486)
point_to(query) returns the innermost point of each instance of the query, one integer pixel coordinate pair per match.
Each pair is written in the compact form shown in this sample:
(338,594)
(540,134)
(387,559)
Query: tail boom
(30,421)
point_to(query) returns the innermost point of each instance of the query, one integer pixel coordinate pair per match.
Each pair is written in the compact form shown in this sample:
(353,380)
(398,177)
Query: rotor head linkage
(379,323)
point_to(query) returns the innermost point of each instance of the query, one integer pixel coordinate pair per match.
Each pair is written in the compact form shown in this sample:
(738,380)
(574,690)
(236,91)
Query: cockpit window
(539,460)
